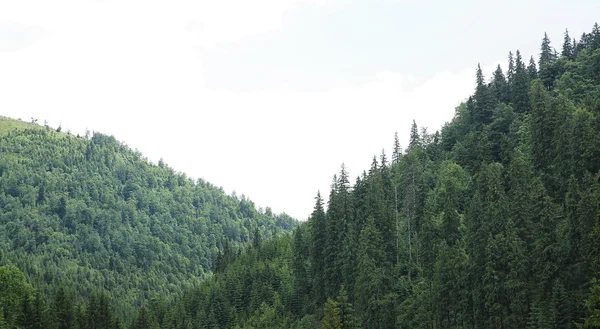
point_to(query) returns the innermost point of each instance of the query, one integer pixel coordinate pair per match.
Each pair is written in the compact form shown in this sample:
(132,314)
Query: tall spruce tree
(567,48)
(499,85)
(546,63)
(318,227)
(397,152)
(532,69)
(520,86)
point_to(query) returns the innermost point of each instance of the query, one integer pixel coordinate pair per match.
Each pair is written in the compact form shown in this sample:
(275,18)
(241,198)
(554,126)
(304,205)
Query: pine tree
(346,310)
(397,153)
(532,69)
(567,48)
(2,321)
(479,76)
(484,102)
(592,304)
(371,278)
(547,58)
(412,204)
(63,309)
(142,320)
(333,245)
(300,255)
(40,312)
(546,54)
(415,139)
(331,317)
(499,85)
(520,90)
(510,74)
(26,318)
(318,226)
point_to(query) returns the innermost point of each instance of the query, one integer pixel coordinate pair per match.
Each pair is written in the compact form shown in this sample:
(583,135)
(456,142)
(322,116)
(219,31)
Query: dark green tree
(567,48)
(532,69)
(318,227)
(331,317)
(397,152)
(499,85)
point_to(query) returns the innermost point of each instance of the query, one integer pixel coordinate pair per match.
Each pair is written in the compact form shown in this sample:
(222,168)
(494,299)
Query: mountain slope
(494,222)
(96,216)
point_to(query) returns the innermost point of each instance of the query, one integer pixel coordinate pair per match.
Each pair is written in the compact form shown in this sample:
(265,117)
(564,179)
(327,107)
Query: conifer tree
(532,69)
(301,273)
(2,321)
(479,76)
(63,309)
(546,52)
(521,86)
(371,277)
(397,153)
(592,303)
(484,102)
(510,74)
(142,320)
(567,48)
(256,239)
(40,318)
(331,317)
(318,227)
(499,85)
(346,310)
(415,139)
(547,57)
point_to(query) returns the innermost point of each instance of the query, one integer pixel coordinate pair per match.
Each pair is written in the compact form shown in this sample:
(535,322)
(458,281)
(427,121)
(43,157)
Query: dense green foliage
(493,222)
(96,217)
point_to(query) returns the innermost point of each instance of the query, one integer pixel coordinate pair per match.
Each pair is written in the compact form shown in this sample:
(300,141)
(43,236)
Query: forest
(90,215)
(491,222)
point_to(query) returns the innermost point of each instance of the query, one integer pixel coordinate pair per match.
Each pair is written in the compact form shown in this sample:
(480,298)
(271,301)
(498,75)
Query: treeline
(90,214)
(493,222)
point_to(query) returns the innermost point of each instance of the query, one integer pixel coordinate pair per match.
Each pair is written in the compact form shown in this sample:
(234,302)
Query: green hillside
(492,222)
(95,216)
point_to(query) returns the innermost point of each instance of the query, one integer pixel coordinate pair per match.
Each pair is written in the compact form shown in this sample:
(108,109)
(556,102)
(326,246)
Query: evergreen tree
(39,318)
(592,304)
(547,58)
(331,317)
(2,321)
(63,309)
(142,320)
(479,76)
(567,48)
(483,101)
(510,74)
(256,239)
(371,279)
(397,153)
(499,85)
(532,69)
(346,310)
(415,139)
(521,86)
(300,259)
(318,226)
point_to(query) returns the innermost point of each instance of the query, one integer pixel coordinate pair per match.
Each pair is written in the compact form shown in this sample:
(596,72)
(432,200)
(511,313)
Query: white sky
(264,97)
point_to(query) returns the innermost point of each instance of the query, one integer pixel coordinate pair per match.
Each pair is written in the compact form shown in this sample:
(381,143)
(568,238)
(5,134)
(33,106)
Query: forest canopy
(491,222)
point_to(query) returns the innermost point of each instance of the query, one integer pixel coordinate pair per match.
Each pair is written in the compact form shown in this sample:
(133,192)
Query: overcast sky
(264,97)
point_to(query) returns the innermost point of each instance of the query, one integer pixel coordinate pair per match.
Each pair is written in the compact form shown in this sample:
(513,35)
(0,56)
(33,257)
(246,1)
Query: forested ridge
(94,217)
(491,222)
